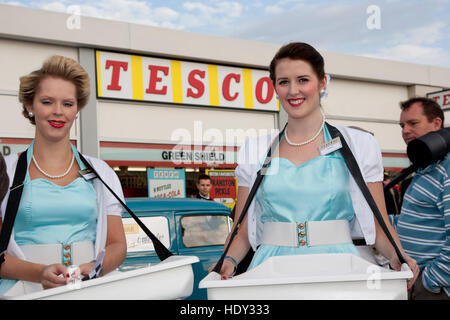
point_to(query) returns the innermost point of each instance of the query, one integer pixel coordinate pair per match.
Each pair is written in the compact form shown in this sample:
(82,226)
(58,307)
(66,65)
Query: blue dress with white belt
(53,214)
(316,190)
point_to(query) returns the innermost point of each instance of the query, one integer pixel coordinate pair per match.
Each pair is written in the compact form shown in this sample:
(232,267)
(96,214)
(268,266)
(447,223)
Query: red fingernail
(223,278)
(67,275)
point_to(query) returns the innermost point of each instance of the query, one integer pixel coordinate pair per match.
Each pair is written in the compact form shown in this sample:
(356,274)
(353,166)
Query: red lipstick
(296,102)
(57,124)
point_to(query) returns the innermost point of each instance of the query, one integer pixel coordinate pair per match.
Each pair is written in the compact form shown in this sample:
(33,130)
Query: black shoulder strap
(160,249)
(259,177)
(15,193)
(356,173)
(403,174)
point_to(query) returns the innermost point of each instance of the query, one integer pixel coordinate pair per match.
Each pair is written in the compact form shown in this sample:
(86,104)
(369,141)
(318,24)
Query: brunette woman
(307,182)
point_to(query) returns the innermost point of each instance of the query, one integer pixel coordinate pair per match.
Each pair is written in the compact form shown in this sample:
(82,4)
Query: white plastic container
(170,279)
(311,277)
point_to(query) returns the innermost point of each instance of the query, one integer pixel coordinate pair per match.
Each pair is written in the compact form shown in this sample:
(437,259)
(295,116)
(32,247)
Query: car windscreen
(204,230)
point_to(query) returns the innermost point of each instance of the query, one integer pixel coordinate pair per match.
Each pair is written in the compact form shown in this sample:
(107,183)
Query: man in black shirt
(204,187)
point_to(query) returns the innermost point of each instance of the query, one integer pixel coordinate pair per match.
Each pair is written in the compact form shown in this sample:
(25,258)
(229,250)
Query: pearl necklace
(309,140)
(57,176)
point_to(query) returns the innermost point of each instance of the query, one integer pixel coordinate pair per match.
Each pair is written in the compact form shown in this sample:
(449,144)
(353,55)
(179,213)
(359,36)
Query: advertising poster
(166,183)
(223,188)
(138,241)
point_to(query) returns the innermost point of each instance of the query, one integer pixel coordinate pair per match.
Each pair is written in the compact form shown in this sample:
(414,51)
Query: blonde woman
(63,218)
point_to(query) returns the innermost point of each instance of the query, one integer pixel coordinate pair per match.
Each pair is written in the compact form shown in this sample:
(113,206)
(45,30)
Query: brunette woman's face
(55,108)
(298,87)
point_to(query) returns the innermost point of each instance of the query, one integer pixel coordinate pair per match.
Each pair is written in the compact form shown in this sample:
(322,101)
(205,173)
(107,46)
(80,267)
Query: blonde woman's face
(55,108)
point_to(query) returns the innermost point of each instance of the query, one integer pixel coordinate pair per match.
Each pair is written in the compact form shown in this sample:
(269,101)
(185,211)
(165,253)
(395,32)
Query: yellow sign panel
(142,78)
(131,228)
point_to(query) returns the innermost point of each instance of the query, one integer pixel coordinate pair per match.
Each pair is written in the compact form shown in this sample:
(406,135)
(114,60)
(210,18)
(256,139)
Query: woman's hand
(86,268)
(227,269)
(396,265)
(54,275)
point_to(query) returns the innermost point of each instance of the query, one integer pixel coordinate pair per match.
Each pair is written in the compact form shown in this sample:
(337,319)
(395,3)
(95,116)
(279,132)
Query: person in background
(303,184)
(4,180)
(391,197)
(423,225)
(204,187)
(63,218)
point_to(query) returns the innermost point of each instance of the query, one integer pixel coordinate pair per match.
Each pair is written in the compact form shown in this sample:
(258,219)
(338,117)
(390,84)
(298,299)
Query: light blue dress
(316,190)
(53,214)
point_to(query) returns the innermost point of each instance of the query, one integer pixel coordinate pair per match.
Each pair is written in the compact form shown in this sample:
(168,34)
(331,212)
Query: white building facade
(178,100)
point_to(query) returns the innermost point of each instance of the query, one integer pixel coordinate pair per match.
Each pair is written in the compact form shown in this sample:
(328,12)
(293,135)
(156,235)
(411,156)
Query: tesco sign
(441,97)
(142,78)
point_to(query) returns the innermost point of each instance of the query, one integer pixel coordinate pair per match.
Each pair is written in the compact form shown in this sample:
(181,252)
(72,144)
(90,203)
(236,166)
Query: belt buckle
(66,250)
(302,234)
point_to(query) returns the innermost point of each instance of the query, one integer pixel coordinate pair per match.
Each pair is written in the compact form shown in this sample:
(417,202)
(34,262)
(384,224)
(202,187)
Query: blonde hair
(58,67)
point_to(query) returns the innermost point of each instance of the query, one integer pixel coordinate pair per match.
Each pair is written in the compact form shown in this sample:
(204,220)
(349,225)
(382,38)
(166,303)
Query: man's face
(204,187)
(415,124)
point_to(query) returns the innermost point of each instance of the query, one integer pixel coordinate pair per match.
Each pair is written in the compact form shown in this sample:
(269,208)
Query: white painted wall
(19,58)
(143,122)
(351,98)
(364,91)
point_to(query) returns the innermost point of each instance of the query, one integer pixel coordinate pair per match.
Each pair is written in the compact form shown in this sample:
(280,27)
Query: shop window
(191,181)
(133,180)
(205,230)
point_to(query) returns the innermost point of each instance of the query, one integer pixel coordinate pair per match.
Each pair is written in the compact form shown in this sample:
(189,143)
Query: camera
(429,148)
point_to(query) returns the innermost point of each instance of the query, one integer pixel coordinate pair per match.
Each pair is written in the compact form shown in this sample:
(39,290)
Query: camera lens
(429,148)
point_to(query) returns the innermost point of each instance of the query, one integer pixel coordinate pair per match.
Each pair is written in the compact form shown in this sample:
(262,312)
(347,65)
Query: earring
(30,114)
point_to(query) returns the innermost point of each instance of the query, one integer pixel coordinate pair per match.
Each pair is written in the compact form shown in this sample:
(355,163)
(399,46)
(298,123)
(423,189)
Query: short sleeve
(112,205)
(371,159)
(11,164)
(243,169)
(109,204)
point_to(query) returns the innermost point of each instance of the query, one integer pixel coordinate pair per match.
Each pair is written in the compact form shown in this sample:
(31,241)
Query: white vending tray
(172,278)
(312,277)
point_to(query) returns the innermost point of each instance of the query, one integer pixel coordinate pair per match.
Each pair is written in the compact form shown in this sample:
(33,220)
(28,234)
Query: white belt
(310,233)
(67,254)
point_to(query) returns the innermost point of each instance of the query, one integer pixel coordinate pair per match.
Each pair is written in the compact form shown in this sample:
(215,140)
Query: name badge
(87,174)
(330,146)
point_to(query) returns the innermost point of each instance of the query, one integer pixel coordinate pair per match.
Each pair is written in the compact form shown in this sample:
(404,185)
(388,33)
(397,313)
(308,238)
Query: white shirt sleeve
(243,170)
(370,158)
(109,204)
(112,205)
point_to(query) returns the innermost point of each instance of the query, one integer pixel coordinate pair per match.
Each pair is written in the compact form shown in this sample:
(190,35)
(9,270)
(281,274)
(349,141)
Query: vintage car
(185,226)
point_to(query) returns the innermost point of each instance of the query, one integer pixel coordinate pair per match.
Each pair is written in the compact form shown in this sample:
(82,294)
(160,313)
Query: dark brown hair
(203,177)
(299,51)
(431,109)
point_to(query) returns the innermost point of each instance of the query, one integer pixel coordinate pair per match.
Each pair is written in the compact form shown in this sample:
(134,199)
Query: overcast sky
(412,31)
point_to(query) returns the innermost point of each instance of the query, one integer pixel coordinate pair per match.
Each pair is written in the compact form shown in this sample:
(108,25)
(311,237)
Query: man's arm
(436,275)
